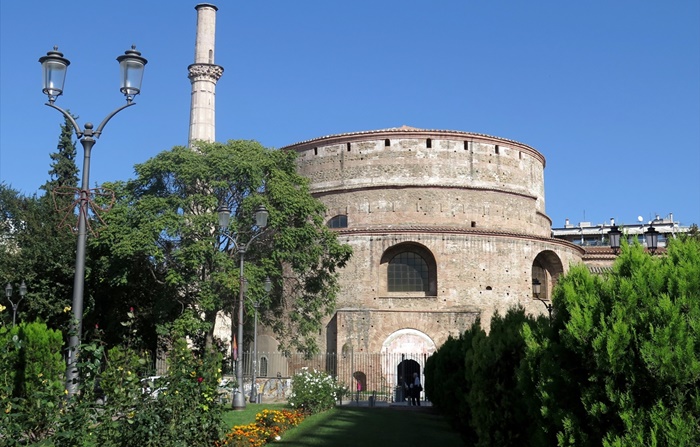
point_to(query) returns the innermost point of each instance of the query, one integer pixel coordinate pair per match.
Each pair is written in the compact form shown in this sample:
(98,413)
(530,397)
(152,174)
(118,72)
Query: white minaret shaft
(203,75)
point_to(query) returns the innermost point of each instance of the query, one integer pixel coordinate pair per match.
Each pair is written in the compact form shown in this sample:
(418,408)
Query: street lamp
(536,288)
(254,388)
(54,67)
(614,236)
(651,236)
(261,215)
(8,293)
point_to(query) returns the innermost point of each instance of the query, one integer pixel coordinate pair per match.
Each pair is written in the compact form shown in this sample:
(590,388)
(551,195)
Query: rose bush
(313,391)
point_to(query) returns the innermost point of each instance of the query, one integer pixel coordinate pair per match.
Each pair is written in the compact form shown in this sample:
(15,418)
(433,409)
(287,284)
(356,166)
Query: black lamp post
(54,67)
(8,293)
(254,388)
(651,236)
(261,215)
(536,289)
(614,236)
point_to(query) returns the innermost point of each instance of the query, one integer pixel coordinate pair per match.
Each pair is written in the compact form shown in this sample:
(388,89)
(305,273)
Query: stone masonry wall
(474,203)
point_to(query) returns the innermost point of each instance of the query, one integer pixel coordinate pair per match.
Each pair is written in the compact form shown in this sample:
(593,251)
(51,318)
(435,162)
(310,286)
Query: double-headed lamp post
(54,67)
(8,294)
(651,237)
(254,388)
(261,215)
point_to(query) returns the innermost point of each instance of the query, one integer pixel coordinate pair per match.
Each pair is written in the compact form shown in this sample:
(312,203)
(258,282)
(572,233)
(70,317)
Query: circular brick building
(445,226)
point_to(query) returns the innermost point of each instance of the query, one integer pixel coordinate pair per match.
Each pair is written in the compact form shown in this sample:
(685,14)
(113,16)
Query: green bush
(183,412)
(491,367)
(617,365)
(447,383)
(112,407)
(31,381)
(313,391)
(625,351)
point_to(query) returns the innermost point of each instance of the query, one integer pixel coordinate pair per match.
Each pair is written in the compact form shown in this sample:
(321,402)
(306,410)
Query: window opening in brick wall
(315,151)
(339,221)
(408,272)
(428,143)
(348,146)
(466,145)
(497,149)
(387,142)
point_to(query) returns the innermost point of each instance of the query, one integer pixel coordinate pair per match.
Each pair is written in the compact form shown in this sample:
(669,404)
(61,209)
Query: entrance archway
(405,352)
(405,370)
(546,268)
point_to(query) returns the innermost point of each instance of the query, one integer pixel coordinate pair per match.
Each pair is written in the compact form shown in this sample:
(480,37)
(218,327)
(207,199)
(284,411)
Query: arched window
(408,268)
(408,272)
(339,221)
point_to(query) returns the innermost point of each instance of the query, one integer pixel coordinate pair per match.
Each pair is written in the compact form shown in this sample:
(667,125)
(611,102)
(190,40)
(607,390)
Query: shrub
(31,382)
(313,391)
(626,350)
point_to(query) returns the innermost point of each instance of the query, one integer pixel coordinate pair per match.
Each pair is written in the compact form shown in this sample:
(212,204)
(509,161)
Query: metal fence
(379,377)
(374,377)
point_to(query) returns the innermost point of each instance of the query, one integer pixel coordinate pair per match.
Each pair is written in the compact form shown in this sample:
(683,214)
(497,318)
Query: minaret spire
(204,74)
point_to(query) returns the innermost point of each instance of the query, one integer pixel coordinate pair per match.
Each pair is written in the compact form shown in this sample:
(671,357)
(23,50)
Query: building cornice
(412,132)
(345,189)
(390,230)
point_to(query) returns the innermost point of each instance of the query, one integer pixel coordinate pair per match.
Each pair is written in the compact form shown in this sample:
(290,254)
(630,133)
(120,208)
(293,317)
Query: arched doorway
(546,268)
(405,352)
(405,370)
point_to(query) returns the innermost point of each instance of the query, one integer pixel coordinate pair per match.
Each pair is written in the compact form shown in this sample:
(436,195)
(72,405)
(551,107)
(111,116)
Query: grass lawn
(247,416)
(366,427)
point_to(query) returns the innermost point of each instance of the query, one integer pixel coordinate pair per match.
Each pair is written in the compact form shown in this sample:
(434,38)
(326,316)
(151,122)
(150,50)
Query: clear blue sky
(607,91)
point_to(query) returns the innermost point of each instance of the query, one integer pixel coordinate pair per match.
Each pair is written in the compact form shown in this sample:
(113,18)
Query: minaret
(204,74)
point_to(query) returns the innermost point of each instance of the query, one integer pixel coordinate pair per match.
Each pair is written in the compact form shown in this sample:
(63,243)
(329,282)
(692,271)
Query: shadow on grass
(367,427)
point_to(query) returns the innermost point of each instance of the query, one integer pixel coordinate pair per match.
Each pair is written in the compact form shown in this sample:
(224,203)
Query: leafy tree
(164,225)
(36,243)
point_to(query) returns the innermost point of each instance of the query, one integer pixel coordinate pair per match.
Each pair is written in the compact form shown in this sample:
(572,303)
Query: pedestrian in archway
(415,389)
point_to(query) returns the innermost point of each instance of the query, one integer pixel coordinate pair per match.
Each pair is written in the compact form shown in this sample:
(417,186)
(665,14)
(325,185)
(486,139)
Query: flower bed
(269,426)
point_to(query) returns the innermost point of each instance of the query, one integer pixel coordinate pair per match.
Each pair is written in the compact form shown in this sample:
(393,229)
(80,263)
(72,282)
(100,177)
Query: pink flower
(200,379)
(131,309)
(97,326)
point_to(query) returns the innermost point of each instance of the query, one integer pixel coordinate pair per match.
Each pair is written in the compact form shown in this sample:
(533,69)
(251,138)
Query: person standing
(415,389)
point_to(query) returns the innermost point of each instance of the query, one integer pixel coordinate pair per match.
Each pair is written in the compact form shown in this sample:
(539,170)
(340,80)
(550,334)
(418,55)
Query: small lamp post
(254,388)
(536,289)
(614,236)
(8,294)
(54,67)
(261,215)
(651,236)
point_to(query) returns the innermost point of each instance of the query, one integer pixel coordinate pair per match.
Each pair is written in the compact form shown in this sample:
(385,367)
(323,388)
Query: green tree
(622,366)
(36,242)
(165,225)
(64,171)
